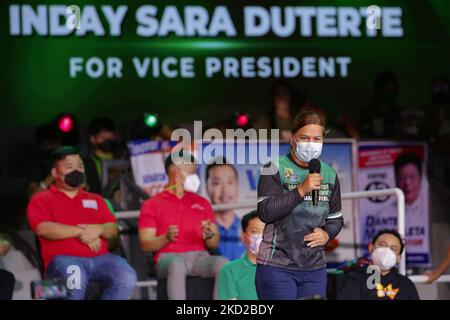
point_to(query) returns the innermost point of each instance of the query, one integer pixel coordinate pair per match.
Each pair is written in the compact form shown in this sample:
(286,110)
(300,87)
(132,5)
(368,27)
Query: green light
(151,120)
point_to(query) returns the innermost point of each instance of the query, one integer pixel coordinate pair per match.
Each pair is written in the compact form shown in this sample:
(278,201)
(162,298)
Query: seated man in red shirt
(73,227)
(178,225)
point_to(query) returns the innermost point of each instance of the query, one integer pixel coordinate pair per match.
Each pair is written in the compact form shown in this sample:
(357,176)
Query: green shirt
(237,280)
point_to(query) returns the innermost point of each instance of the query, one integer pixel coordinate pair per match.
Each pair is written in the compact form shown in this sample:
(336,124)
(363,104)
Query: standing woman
(291,262)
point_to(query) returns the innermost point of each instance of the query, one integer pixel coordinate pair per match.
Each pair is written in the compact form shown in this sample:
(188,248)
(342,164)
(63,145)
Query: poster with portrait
(385,165)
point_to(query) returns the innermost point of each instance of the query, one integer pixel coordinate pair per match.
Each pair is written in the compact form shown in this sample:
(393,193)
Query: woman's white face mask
(306,151)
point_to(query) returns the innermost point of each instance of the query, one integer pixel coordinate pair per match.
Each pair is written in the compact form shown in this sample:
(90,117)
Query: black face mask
(108,146)
(74,178)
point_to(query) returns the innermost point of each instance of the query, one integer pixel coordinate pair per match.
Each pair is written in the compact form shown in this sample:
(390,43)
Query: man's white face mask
(191,183)
(384,257)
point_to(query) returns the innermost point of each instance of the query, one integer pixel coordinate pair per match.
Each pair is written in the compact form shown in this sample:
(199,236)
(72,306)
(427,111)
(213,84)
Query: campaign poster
(385,165)
(147,163)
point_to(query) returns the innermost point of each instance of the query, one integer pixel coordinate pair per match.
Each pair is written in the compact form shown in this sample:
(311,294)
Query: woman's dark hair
(391,232)
(246,219)
(305,118)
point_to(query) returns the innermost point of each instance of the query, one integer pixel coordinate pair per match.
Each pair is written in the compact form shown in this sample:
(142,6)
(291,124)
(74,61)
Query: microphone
(314,167)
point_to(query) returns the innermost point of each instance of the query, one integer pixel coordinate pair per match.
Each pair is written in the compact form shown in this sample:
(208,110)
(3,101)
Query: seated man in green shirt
(237,277)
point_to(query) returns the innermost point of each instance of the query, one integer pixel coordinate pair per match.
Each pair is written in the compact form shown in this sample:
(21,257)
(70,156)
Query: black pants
(7,281)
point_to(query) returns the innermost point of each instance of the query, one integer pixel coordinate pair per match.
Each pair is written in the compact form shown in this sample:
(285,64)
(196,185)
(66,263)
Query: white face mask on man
(191,183)
(384,258)
(306,151)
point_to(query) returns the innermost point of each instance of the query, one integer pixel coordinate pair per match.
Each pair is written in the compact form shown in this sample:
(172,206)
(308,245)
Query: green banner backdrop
(204,59)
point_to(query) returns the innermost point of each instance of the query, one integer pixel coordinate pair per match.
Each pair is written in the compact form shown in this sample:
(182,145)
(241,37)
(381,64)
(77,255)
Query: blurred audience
(381,118)
(339,125)
(103,139)
(385,252)
(410,124)
(287,102)
(178,225)
(139,129)
(436,129)
(222,186)
(237,278)
(165,133)
(281,112)
(47,139)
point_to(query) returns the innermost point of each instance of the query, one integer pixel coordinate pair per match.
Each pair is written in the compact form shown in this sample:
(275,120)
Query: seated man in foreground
(386,249)
(73,227)
(178,225)
(237,278)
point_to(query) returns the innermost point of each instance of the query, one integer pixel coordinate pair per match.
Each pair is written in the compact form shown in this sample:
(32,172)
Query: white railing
(398,193)
(217,207)
(422,278)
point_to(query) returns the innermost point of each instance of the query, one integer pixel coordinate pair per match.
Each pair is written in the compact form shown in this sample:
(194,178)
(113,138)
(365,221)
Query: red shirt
(187,212)
(53,205)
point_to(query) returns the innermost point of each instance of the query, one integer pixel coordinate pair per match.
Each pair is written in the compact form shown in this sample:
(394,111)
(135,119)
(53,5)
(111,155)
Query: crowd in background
(382,118)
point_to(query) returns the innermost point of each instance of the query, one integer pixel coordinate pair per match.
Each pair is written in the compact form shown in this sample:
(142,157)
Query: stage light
(65,123)
(151,120)
(242,120)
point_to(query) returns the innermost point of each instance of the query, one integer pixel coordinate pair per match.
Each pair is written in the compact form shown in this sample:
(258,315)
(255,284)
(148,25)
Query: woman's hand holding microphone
(318,237)
(312,182)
